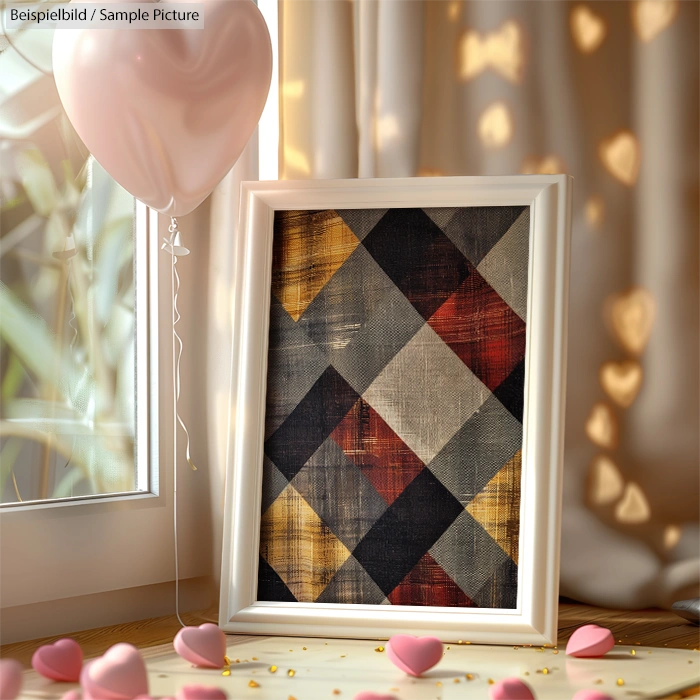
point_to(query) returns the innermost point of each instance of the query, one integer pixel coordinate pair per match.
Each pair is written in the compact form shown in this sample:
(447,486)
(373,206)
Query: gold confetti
(491,681)
(342,656)
(255,658)
(448,647)
(227,672)
(633,652)
(516,648)
(238,661)
(459,641)
(336,691)
(555,652)
(598,682)
(379,649)
(456,680)
(303,648)
(227,661)
(291,672)
(273,669)
(620,681)
(439,684)
(253,684)
(291,697)
(470,676)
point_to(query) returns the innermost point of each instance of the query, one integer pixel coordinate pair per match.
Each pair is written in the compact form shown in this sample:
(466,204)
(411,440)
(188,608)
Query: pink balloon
(167,112)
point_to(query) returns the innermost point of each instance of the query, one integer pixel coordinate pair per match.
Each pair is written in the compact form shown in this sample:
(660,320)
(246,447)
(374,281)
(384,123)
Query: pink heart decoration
(591,695)
(414,655)
(203,646)
(167,112)
(201,692)
(10,679)
(369,695)
(510,689)
(60,661)
(118,675)
(590,641)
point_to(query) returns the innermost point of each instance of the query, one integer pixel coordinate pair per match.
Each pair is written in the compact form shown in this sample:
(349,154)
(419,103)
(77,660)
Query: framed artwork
(397,404)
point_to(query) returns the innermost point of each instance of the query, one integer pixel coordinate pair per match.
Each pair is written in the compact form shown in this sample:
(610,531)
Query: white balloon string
(174,248)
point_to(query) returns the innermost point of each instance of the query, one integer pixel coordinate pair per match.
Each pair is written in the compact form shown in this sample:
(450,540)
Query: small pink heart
(200,692)
(414,655)
(60,661)
(203,646)
(510,689)
(118,675)
(591,695)
(10,679)
(590,641)
(369,695)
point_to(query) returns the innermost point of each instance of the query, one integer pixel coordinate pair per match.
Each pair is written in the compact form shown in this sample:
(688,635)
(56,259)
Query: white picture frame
(534,621)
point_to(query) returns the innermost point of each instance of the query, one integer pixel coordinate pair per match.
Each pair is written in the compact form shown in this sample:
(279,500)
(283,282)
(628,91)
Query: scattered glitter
(456,680)
(690,662)
(162,675)
(291,697)
(545,671)
(470,676)
(491,681)
(238,661)
(516,648)
(227,672)
(467,642)
(619,641)
(291,672)
(633,652)
(598,682)
(439,684)
(448,646)
(555,651)
(379,649)
(540,650)
(336,691)
(255,658)
(303,648)
(527,673)
(291,650)
(227,661)
(459,641)
(273,669)
(253,684)
(342,656)
(620,681)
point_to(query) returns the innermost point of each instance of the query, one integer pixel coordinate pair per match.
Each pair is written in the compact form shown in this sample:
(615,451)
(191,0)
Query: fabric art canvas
(395,393)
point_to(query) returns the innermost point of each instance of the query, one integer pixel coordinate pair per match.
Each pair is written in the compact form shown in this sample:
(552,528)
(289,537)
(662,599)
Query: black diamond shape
(511,391)
(408,529)
(419,258)
(271,586)
(310,423)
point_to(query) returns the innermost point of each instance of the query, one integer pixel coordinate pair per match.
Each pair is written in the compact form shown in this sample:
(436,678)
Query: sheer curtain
(607,92)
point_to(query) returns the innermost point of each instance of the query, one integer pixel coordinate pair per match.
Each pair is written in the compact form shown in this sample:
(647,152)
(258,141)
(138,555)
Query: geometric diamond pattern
(395,398)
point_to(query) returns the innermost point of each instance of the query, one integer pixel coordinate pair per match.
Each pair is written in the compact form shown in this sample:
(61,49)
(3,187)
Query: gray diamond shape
(469,555)
(478,450)
(361,221)
(505,266)
(360,319)
(340,493)
(294,366)
(352,585)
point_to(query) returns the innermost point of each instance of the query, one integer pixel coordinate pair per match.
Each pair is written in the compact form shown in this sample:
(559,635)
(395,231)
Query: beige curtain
(607,92)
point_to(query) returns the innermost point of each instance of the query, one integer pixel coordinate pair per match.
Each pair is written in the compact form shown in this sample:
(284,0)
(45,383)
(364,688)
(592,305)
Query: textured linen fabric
(394,407)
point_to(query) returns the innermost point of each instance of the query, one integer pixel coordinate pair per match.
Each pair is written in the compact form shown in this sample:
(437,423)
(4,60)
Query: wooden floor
(656,628)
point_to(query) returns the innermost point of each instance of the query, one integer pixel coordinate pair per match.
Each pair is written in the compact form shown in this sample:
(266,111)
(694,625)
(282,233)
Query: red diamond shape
(484,332)
(428,584)
(384,458)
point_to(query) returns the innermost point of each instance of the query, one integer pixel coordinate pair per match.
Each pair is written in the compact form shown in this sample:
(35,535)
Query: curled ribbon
(501,50)
(174,247)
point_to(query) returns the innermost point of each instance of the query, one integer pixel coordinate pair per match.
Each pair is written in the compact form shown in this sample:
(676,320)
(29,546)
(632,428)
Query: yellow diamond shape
(497,507)
(308,249)
(299,546)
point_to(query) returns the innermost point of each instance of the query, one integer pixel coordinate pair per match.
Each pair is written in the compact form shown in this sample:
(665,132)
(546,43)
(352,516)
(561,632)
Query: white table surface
(331,669)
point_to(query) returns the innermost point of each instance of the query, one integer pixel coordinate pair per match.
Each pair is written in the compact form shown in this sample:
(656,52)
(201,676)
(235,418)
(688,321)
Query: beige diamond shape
(299,546)
(308,249)
(497,507)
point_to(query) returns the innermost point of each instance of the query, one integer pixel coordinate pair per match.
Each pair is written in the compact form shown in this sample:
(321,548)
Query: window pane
(67,337)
